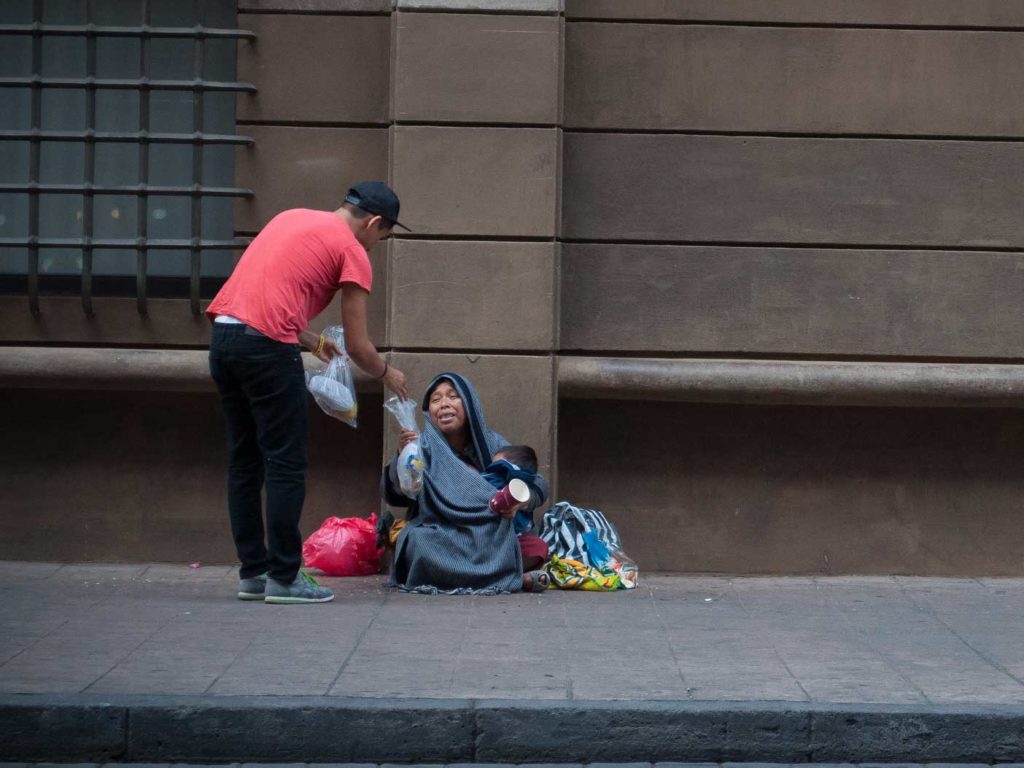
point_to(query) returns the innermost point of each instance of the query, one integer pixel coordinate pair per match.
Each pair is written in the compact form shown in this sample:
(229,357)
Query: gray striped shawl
(456,544)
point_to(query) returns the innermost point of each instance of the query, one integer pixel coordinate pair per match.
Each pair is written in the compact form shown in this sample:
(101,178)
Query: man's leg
(279,403)
(275,388)
(245,464)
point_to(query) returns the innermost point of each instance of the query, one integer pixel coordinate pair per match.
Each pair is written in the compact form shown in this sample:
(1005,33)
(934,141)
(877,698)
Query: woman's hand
(405,437)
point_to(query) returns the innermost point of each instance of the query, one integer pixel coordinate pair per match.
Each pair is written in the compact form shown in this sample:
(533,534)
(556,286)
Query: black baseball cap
(377,198)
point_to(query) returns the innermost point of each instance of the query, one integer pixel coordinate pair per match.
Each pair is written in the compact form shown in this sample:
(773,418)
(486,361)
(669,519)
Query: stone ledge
(756,382)
(492,6)
(776,382)
(161,370)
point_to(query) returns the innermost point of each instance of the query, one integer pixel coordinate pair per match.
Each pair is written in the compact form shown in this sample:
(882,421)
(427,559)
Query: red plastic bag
(344,547)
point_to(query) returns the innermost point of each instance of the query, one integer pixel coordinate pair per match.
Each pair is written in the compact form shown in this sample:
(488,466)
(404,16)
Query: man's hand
(311,341)
(330,349)
(394,380)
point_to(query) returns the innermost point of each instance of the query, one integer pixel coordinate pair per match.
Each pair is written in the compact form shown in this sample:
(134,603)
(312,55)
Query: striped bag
(564,528)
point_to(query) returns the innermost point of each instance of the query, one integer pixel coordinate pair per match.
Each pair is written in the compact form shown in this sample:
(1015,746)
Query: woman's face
(446,409)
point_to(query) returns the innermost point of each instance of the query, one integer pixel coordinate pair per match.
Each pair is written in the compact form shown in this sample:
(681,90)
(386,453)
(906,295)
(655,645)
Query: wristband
(320,346)
(385,370)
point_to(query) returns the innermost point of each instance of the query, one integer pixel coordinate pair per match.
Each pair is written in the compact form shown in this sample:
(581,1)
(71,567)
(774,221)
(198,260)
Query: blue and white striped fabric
(565,525)
(455,544)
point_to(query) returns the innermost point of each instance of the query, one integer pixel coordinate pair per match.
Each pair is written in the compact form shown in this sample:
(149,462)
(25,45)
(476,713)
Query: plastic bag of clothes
(586,550)
(409,466)
(332,387)
(344,546)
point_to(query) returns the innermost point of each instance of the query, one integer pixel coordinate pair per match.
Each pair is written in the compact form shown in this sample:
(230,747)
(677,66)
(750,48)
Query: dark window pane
(111,261)
(61,162)
(219,112)
(14,158)
(63,110)
(60,215)
(13,214)
(219,58)
(173,263)
(171,58)
(218,164)
(114,217)
(170,112)
(63,56)
(170,165)
(117,57)
(220,15)
(171,13)
(13,261)
(169,217)
(217,263)
(117,110)
(64,12)
(60,261)
(218,222)
(16,114)
(117,164)
(16,60)
(16,11)
(117,13)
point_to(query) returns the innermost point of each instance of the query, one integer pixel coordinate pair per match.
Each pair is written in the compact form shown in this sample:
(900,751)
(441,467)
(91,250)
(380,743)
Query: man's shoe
(303,590)
(252,589)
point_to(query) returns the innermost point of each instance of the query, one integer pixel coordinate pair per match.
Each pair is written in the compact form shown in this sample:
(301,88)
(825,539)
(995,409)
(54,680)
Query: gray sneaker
(252,589)
(303,590)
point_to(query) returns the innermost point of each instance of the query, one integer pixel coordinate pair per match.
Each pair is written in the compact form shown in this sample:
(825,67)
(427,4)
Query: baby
(520,461)
(509,463)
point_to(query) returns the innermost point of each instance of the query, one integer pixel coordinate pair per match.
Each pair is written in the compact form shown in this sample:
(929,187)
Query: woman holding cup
(455,540)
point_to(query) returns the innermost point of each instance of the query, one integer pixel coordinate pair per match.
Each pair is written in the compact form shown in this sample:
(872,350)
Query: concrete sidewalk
(162,662)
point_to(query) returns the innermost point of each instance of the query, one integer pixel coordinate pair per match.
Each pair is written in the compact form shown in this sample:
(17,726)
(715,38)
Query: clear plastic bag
(409,465)
(610,561)
(332,387)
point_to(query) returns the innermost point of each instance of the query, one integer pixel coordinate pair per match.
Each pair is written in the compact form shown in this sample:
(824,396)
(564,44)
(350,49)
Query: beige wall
(793,180)
(740,183)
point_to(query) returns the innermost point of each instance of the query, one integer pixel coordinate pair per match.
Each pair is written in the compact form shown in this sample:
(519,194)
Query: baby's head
(523,456)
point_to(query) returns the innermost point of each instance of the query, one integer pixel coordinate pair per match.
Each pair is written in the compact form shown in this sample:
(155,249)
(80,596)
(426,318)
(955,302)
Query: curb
(203,729)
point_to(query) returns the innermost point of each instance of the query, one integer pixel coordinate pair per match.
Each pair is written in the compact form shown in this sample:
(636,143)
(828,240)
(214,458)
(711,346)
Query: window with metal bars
(117,139)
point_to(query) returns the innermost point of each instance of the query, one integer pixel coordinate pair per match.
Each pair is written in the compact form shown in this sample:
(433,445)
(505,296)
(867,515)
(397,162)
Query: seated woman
(452,541)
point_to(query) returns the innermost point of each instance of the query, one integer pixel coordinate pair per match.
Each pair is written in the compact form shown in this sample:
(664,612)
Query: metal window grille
(33,187)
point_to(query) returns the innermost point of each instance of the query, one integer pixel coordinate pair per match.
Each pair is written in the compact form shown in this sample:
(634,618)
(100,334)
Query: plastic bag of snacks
(332,387)
(567,573)
(409,465)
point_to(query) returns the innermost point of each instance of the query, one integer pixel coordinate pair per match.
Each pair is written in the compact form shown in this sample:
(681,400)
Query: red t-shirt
(290,272)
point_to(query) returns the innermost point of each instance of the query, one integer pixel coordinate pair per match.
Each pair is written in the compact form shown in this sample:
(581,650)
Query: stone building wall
(641,181)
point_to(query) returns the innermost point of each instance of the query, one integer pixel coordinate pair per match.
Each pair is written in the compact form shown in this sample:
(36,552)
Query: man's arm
(358,344)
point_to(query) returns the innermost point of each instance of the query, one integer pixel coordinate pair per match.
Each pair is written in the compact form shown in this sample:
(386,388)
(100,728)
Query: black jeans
(263,389)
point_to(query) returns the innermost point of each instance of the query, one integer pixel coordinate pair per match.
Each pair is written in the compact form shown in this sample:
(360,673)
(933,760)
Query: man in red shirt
(286,277)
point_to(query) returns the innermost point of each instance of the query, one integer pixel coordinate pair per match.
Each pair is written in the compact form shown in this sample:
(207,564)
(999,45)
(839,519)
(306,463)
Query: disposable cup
(516,492)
